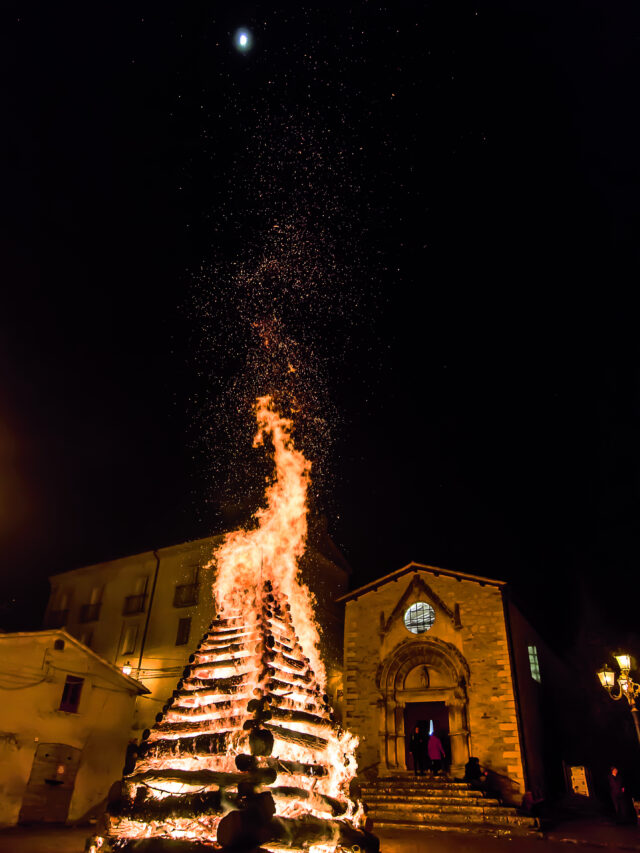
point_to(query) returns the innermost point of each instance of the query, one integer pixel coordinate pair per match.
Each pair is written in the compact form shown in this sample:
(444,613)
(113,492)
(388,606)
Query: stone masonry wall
(374,635)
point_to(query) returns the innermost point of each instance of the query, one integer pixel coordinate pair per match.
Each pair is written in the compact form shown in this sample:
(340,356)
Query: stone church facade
(431,647)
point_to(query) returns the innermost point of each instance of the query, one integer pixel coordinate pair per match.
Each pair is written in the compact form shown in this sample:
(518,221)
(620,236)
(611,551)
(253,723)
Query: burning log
(216,743)
(219,685)
(280,660)
(282,766)
(210,708)
(300,717)
(299,738)
(318,802)
(297,768)
(182,728)
(172,807)
(204,778)
(288,687)
(202,670)
(228,648)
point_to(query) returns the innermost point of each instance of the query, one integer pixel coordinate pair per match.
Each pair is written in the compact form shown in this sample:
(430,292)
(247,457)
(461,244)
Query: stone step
(426,778)
(476,829)
(437,808)
(463,802)
(429,817)
(417,784)
(421,791)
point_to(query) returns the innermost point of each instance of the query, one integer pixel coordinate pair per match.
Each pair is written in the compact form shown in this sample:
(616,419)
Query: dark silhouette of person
(474,774)
(436,753)
(619,797)
(418,749)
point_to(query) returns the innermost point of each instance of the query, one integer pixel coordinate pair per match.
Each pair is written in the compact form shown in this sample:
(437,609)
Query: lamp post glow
(626,686)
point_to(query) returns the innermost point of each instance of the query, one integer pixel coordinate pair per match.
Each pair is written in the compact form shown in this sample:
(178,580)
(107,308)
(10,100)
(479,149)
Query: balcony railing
(186,595)
(90,612)
(57,618)
(134,604)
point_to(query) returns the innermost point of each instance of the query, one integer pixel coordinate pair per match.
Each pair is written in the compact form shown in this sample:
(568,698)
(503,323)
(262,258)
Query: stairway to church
(409,802)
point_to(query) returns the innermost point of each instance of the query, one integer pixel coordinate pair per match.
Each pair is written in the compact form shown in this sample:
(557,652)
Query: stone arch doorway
(422,671)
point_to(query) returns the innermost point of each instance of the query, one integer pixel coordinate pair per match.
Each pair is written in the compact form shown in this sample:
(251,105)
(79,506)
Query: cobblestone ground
(585,836)
(576,836)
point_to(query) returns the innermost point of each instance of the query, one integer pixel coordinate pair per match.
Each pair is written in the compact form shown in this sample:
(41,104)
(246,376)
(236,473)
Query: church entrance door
(429,717)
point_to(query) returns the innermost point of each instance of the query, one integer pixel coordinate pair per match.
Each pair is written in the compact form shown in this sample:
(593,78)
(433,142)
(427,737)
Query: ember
(247,752)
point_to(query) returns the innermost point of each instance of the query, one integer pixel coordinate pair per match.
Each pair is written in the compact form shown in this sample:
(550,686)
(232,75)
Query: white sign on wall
(578,778)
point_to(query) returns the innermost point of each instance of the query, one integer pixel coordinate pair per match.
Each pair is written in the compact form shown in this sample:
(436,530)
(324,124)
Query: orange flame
(271,551)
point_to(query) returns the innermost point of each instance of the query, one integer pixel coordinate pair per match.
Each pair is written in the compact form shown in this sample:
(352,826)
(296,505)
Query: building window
(135,603)
(186,595)
(91,612)
(58,616)
(419,617)
(128,641)
(71,694)
(534,664)
(184,629)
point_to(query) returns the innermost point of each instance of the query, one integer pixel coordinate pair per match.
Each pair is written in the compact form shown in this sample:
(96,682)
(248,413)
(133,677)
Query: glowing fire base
(233,765)
(247,753)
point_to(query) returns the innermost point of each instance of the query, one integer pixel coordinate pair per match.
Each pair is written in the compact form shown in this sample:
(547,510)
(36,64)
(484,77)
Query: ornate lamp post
(626,686)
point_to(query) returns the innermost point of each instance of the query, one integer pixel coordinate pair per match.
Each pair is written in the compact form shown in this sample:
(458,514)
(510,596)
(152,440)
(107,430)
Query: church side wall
(493,721)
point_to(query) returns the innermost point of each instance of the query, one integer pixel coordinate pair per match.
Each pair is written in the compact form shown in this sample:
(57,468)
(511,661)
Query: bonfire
(247,752)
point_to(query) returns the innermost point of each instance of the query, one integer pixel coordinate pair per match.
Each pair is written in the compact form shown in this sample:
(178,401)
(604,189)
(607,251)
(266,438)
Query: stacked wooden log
(245,752)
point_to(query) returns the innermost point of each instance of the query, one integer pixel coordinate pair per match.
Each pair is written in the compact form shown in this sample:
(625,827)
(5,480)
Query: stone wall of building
(466,648)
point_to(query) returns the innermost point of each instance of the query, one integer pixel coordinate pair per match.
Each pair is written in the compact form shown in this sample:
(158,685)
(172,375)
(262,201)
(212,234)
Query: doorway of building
(50,787)
(430,717)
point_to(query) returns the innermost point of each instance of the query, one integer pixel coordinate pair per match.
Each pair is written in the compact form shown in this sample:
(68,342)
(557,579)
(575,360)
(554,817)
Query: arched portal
(429,670)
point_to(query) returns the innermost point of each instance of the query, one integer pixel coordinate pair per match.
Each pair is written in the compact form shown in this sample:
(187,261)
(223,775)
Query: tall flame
(271,550)
(249,722)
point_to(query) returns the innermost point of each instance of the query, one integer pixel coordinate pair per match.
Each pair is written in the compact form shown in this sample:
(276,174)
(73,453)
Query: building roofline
(415,567)
(167,549)
(60,632)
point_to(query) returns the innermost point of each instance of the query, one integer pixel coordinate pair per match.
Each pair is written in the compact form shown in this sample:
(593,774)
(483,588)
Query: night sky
(461,182)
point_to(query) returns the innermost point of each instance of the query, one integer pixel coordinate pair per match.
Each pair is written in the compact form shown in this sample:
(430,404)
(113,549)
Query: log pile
(245,753)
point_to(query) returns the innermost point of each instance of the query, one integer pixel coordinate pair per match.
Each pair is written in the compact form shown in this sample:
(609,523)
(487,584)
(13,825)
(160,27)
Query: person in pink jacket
(435,752)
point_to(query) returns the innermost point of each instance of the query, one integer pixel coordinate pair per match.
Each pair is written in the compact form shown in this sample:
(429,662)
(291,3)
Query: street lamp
(626,686)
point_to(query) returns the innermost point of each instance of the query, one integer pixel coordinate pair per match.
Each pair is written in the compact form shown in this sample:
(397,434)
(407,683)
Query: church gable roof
(417,585)
(419,567)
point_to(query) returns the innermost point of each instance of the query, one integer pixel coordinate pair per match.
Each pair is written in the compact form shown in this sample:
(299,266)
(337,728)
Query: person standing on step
(418,749)
(620,797)
(436,753)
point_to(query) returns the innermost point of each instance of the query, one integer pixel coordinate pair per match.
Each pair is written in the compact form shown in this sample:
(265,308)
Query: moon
(243,40)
